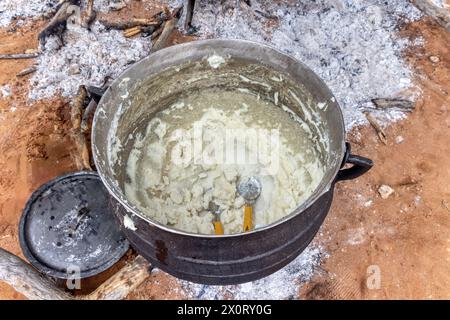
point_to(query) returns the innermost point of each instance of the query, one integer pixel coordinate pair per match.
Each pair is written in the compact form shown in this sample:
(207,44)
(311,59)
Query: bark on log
(26,280)
(29,282)
(121,284)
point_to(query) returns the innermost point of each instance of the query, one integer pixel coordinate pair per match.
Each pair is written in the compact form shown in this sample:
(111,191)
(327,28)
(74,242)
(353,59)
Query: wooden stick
(130,32)
(169,26)
(79,138)
(374,123)
(189,13)
(402,104)
(29,282)
(90,14)
(26,71)
(158,31)
(121,284)
(19,56)
(58,23)
(441,15)
(26,280)
(77,107)
(122,25)
(87,115)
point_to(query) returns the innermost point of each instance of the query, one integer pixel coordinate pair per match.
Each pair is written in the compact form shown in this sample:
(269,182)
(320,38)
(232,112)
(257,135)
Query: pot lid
(67,228)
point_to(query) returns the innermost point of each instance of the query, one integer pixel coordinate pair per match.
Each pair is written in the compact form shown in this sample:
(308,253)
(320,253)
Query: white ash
(5,91)
(86,57)
(352,45)
(283,284)
(19,10)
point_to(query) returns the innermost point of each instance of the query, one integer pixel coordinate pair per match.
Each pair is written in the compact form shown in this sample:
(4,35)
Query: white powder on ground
(23,9)
(283,284)
(86,58)
(5,91)
(351,45)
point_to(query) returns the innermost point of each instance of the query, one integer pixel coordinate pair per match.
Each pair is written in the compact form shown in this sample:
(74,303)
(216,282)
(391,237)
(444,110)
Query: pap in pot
(195,151)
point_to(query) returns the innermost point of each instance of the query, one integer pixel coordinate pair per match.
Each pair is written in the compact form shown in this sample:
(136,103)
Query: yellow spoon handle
(248,217)
(218,227)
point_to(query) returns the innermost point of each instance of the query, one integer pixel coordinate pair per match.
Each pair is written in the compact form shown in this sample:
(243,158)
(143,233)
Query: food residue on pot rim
(215,61)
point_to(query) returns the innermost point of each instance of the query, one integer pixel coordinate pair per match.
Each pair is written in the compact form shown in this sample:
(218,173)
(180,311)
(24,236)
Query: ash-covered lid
(67,228)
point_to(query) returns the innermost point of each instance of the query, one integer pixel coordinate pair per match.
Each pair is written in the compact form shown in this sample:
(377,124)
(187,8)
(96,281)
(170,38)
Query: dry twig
(127,24)
(26,71)
(90,14)
(374,123)
(19,55)
(87,116)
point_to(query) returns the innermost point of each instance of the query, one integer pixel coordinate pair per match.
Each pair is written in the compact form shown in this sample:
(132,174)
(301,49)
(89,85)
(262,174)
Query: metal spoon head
(249,188)
(213,207)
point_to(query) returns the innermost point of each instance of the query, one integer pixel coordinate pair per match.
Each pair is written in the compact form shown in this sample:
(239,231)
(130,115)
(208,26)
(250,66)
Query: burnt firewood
(96,93)
(78,137)
(169,26)
(127,24)
(86,119)
(58,23)
(158,31)
(90,14)
(189,13)
(77,107)
(382,103)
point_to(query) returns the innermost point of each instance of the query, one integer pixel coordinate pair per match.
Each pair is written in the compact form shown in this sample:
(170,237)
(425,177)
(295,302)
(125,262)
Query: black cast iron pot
(157,82)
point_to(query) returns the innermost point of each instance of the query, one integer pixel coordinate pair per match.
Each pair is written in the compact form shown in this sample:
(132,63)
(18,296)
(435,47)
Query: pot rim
(321,189)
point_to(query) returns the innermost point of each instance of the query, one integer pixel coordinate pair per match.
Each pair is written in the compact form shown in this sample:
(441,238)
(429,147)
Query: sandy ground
(405,237)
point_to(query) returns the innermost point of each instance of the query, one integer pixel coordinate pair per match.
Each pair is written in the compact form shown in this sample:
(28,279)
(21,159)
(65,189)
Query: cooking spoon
(215,210)
(249,188)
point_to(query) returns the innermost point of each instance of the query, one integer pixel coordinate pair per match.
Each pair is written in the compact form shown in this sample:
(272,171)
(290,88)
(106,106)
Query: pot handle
(360,165)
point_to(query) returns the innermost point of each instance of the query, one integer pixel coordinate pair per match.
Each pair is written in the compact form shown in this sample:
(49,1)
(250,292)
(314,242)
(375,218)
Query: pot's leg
(189,13)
